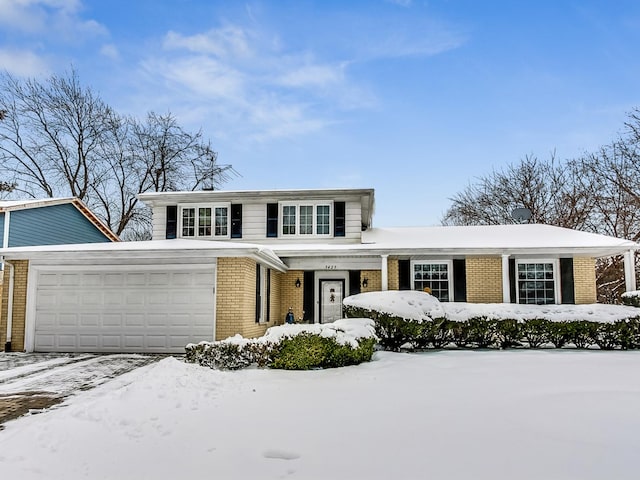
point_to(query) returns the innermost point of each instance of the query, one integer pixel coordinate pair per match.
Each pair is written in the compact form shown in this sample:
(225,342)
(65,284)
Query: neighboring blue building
(54,221)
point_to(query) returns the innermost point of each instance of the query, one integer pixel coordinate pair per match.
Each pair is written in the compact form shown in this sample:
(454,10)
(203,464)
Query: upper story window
(204,221)
(306,219)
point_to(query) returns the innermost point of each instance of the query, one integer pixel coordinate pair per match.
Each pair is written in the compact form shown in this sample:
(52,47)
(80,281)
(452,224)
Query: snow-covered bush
(631,298)
(292,347)
(401,317)
(408,320)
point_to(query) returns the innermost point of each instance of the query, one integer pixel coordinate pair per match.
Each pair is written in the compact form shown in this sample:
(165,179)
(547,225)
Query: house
(233,262)
(48,221)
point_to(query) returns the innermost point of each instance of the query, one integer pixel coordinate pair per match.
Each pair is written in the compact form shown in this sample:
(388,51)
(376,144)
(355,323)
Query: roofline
(89,215)
(27,204)
(152,196)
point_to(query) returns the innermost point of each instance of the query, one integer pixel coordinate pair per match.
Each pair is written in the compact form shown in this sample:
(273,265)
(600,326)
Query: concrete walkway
(32,383)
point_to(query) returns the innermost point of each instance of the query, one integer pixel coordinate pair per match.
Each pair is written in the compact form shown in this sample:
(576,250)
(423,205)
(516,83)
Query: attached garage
(147,297)
(129,309)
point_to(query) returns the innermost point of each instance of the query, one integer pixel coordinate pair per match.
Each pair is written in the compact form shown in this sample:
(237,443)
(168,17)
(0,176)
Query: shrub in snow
(292,347)
(482,331)
(401,317)
(558,333)
(536,332)
(508,333)
(631,298)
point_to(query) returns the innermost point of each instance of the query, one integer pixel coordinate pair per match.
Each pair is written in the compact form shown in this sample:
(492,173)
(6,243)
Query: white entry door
(134,309)
(331,296)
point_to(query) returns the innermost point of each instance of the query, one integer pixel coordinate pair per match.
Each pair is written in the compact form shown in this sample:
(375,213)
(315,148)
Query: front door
(331,296)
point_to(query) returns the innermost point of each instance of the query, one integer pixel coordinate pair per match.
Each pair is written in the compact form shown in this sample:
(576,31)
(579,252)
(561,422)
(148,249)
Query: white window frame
(314,229)
(197,207)
(427,261)
(556,276)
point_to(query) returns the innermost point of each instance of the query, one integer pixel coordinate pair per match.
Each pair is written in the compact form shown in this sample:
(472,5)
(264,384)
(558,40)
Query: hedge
(395,333)
(291,349)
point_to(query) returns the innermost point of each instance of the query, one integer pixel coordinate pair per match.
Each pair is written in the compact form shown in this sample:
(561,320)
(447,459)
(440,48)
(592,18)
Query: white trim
(630,271)
(5,233)
(556,275)
(196,207)
(215,301)
(305,203)
(506,281)
(12,271)
(428,261)
(385,272)
(30,309)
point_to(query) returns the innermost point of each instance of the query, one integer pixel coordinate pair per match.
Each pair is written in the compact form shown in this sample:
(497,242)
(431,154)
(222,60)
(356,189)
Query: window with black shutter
(236,220)
(339,219)
(172,221)
(272,219)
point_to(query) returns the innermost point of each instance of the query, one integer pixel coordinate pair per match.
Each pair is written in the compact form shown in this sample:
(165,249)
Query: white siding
(254,221)
(159,222)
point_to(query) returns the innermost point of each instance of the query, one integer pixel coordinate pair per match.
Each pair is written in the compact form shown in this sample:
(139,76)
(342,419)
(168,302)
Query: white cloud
(223,42)
(59,18)
(110,51)
(313,76)
(22,63)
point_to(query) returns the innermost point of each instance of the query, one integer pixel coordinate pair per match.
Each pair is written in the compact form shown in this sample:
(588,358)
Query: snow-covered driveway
(549,414)
(31,382)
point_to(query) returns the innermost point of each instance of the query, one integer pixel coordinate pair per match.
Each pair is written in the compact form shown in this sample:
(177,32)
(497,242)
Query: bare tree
(61,139)
(547,188)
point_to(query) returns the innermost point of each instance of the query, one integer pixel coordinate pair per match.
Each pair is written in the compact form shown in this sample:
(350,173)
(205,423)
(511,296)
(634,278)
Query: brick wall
(374,280)
(484,279)
(393,274)
(584,278)
(290,295)
(19,305)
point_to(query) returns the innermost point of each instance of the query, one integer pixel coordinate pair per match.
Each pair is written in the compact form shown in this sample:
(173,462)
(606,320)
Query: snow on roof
(497,238)
(150,248)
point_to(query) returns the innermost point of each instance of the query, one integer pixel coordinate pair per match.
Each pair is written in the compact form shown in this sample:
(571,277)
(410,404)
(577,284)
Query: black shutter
(512,280)
(172,221)
(268,294)
(567,292)
(338,219)
(459,280)
(236,220)
(308,296)
(354,282)
(258,299)
(272,219)
(404,274)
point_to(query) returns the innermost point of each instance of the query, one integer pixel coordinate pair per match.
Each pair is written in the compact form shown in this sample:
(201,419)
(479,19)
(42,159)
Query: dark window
(272,219)
(536,283)
(567,293)
(459,280)
(172,221)
(339,219)
(236,220)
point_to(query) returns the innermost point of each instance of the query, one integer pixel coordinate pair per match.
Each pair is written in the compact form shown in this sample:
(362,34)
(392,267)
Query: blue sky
(413,98)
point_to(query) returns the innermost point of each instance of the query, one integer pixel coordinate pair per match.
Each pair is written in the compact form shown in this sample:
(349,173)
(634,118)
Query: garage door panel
(111,311)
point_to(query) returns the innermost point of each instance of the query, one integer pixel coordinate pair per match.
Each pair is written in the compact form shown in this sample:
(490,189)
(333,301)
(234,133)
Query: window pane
(536,283)
(306,219)
(433,276)
(204,222)
(289,220)
(188,222)
(322,221)
(221,221)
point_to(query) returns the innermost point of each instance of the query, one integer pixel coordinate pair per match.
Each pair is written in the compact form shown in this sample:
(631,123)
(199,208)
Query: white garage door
(139,309)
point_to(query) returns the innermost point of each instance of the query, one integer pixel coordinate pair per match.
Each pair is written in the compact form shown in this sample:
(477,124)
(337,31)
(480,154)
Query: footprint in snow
(280,454)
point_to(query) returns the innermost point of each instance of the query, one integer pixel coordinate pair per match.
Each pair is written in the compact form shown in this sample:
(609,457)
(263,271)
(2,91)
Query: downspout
(7,345)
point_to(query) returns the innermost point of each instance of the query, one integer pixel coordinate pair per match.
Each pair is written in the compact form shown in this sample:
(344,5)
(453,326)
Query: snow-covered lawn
(553,414)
